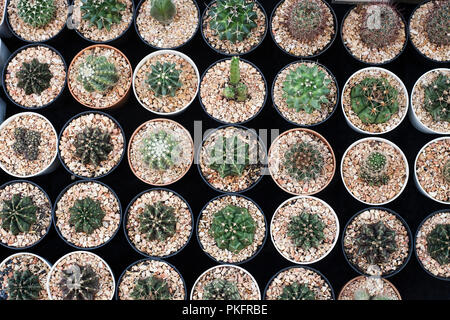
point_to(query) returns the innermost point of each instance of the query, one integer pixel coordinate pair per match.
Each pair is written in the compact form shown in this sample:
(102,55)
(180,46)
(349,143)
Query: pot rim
(386,281)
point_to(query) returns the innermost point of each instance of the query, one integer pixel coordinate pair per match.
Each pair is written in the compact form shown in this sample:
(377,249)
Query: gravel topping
(376,286)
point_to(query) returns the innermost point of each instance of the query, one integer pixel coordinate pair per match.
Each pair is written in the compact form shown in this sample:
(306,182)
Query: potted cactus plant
(234,27)
(369,288)
(167,24)
(303,28)
(100,77)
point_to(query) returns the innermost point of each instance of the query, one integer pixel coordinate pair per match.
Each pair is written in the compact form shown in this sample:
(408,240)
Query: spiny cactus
(36,13)
(229,156)
(363,294)
(303,161)
(93,145)
(163,10)
(297,291)
(24,285)
(446,171)
(158,222)
(221,289)
(86,215)
(27,143)
(374,100)
(438,243)
(159,150)
(306,230)
(437,24)
(164,79)
(102,13)
(151,288)
(96,73)
(235,90)
(34,77)
(79,283)
(437,98)
(18,214)
(375,242)
(306,88)
(233,228)
(306,20)
(373,169)
(232,20)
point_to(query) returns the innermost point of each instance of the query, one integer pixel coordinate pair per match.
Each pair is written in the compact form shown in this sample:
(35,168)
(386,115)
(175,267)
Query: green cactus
(446,171)
(437,25)
(164,79)
(297,291)
(437,98)
(36,13)
(158,222)
(374,100)
(375,242)
(232,20)
(96,73)
(18,214)
(86,215)
(27,143)
(79,283)
(151,288)
(102,13)
(306,88)
(306,20)
(363,294)
(438,243)
(373,169)
(229,156)
(306,230)
(163,10)
(233,228)
(159,150)
(34,77)
(235,90)
(303,161)
(221,289)
(24,285)
(93,145)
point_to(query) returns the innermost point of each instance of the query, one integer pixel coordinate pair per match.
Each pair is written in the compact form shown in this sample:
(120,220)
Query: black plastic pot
(68,123)
(316,54)
(59,198)
(299,124)
(125,220)
(299,267)
(263,160)
(257,250)
(60,94)
(51,215)
(232,54)
(410,247)
(236,123)
(415,244)
(143,260)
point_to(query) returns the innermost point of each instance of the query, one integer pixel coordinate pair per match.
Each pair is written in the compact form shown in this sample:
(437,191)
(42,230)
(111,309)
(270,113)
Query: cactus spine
(96,73)
(158,222)
(375,242)
(437,24)
(79,283)
(306,230)
(306,20)
(102,13)
(34,77)
(303,161)
(438,244)
(36,13)
(229,156)
(159,150)
(93,145)
(221,289)
(164,79)
(437,98)
(373,170)
(27,143)
(151,288)
(86,215)
(297,291)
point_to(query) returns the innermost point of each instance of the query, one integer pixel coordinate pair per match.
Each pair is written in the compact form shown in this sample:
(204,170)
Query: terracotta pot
(361,277)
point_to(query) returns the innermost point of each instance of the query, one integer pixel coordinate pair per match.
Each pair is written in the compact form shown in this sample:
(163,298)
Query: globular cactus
(86,215)
(24,285)
(437,98)
(236,89)
(93,145)
(233,228)
(297,291)
(18,214)
(221,289)
(306,230)
(34,77)
(36,13)
(438,244)
(373,169)
(306,20)
(159,150)
(27,143)
(375,242)
(151,288)
(164,80)
(303,161)
(96,73)
(79,283)
(229,156)
(306,88)
(232,20)
(102,13)
(163,10)
(158,222)
(364,294)
(437,25)
(446,171)
(374,100)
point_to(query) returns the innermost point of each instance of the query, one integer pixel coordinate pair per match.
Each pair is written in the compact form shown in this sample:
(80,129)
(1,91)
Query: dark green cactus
(221,289)
(27,143)
(151,288)
(374,100)
(18,214)
(437,98)
(373,169)
(163,10)
(306,230)
(34,77)
(297,291)
(303,161)
(164,80)
(79,283)
(24,285)
(306,20)
(229,156)
(158,222)
(446,171)
(363,294)
(36,13)
(235,90)
(96,73)
(93,145)
(233,228)
(437,25)
(102,13)
(438,243)
(159,150)
(86,215)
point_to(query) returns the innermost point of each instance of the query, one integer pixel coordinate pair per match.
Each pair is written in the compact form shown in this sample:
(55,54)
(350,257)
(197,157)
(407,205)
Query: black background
(412,281)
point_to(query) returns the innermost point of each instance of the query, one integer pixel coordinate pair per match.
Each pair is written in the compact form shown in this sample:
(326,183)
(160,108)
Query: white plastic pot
(2,110)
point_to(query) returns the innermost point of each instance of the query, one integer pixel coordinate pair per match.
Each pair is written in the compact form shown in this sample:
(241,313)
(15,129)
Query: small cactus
(159,150)
(34,77)
(438,244)
(375,242)
(446,171)
(235,90)
(229,156)
(306,20)
(303,161)
(96,73)
(36,13)
(151,288)
(164,79)
(297,291)
(373,169)
(102,13)
(24,285)
(79,283)
(437,25)
(306,230)
(437,98)
(221,289)
(18,214)
(363,294)
(27,143)
(86,215)
(158,222)
(163,10)
(93,145)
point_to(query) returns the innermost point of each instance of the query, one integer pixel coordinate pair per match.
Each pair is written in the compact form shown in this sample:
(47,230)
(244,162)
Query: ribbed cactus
(34,77)
(151,288)
(374,100)
(306,230)
(18,214)
(86,215)
(79,283)
(221,289)
(297,291)
(27,143)
(36,13)
(163,10)
(102,13)
(303,161)
(437,98)
(229,156)
(159,150)
(158,222)
(446,171)
(232,20)
(236,89)
(96,73)
(437,24)
(375,242)
(364,294)
(438,244)
(164,80)
(373,169)
(306,20)
(24,285)
(93,145)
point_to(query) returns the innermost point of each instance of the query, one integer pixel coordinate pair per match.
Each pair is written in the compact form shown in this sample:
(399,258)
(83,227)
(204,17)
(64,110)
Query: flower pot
(2,110)
(386,284)
(4,54)
(4,30)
